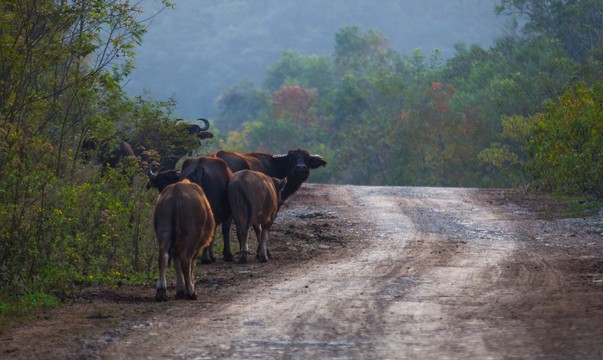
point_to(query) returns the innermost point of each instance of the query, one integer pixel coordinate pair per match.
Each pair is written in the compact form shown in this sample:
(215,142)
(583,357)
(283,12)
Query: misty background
(200,48)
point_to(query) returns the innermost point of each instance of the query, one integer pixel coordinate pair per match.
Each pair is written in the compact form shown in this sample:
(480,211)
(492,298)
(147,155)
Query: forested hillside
(196,50)
(526,111)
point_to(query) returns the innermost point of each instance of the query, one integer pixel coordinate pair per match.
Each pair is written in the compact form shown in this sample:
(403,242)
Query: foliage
(63,225)
(565,147)
(240,103)
(558,149)
(578,25)
(412,119)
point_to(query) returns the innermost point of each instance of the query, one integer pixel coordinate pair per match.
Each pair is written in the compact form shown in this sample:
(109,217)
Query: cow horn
(206,124)
(279,156)
(316,156)
(150,173)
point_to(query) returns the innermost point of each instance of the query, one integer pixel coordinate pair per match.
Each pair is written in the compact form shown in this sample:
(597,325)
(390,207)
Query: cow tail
(248,205)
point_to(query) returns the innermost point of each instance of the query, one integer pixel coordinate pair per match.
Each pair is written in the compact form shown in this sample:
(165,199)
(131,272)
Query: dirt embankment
(364,272)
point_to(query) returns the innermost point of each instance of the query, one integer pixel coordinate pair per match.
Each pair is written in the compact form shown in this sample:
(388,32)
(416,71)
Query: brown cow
(295,166)
(184,224)
(213,175)
(254,201)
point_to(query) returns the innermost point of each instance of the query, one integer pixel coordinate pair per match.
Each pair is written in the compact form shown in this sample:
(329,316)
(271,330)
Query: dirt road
(365,273)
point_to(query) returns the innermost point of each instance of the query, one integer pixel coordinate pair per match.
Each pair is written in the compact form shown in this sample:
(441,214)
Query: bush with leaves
(565,149)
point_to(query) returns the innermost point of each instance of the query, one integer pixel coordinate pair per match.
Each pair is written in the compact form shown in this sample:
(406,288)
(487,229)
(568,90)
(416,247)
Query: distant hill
(200,48)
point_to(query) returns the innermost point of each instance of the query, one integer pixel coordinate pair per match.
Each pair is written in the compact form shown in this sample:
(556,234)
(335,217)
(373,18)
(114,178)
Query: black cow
(134,145)
(295,165)
(162,179)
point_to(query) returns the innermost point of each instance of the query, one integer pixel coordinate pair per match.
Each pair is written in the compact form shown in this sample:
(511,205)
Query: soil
(364,273)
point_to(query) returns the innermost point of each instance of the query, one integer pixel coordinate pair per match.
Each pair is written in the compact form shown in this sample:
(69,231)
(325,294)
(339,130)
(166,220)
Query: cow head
(162,179)
(295,166)
(200,132)
(297,163)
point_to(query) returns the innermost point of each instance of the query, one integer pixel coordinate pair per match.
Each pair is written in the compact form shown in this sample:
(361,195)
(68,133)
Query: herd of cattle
(247,188)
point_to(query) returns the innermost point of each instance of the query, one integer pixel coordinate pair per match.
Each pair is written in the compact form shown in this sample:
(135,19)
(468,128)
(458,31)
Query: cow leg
(161,294)
(242,232)
(210,250)
(226,236)
(262,243)
(179,277)
(207,256)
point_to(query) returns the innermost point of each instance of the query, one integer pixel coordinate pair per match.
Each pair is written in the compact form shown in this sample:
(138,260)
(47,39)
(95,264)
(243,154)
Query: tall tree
(578,24)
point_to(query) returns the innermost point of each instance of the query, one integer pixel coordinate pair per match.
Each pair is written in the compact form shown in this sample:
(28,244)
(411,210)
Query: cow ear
(280,184)
(317,161)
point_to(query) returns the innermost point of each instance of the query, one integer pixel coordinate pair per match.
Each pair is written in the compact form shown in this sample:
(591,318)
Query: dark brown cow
(213,175)
(184,224)
(254,200)
(110,151)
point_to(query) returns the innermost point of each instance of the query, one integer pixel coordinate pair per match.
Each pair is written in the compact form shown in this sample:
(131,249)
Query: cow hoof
(192,296)
(262,258)
(179,295)
(243,257)
(228,257)
(206,262)
(161,295)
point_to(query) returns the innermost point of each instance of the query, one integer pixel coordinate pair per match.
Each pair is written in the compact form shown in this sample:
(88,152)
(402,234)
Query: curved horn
(150,173)
(206,124)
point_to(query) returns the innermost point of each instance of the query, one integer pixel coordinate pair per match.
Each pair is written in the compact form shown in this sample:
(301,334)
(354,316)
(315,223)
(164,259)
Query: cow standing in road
(295,166)
(254,201)
(184,224)
(213,175)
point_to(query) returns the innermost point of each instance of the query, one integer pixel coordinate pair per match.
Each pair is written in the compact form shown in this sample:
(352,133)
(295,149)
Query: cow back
(213,175)
(183,209)
(254,197)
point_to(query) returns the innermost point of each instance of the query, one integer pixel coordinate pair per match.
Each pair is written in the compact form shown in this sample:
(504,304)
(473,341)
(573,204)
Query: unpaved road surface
(363,273)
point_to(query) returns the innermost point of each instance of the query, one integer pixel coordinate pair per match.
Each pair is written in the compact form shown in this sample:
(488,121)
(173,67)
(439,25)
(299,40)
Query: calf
(295,166)
(254,201)
(184,224)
